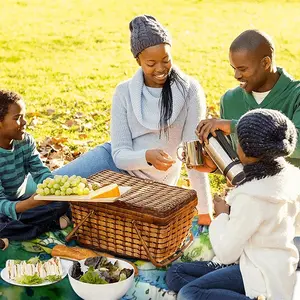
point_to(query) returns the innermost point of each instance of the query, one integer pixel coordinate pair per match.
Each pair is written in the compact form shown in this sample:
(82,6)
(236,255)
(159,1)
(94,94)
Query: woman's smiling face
(156,63)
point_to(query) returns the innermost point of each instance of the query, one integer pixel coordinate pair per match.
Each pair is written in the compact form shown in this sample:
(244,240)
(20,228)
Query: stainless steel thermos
(220,151)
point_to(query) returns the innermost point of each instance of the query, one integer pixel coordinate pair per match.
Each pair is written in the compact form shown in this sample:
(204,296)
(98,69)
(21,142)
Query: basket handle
(169,259)
(70,235)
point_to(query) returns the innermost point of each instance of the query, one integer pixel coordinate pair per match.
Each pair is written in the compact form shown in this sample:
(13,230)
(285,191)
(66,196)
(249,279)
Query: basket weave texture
(161,214)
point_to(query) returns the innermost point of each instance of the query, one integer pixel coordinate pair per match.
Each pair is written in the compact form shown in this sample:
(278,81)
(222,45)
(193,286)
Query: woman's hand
(220,206)
(205,127)
(159,159)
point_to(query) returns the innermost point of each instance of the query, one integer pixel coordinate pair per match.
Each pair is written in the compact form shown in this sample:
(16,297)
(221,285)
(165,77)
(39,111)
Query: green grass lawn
(68,55)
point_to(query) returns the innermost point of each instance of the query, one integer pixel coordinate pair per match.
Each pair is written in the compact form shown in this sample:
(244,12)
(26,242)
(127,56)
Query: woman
(152,114)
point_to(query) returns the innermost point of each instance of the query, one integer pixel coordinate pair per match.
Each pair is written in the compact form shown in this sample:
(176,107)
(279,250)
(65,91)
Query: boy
(22,217)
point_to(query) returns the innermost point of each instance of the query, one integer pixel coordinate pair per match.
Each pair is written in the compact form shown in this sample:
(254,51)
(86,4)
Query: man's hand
(208,164)
(205,127)
(220,206)
(159,159)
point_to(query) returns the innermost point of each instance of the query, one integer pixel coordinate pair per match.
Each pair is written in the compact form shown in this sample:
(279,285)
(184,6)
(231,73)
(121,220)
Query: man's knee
(171,277)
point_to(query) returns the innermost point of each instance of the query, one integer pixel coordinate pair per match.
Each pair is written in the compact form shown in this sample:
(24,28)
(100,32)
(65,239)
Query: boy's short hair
(7,98)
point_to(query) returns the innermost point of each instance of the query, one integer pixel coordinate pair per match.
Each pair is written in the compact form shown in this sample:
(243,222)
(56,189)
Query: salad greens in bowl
(109,277)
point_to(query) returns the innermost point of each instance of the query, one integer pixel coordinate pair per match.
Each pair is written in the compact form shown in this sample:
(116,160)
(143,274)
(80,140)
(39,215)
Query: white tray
(65,266)
(85,198)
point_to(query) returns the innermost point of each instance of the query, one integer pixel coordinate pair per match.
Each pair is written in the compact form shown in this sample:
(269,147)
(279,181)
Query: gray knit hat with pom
(146,32)
(266,133)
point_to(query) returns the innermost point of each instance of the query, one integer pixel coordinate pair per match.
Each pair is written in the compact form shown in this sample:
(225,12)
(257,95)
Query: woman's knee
(93,161)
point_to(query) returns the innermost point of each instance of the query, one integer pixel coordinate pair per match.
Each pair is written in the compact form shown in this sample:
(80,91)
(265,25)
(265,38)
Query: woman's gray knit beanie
(146,32)
(266,133)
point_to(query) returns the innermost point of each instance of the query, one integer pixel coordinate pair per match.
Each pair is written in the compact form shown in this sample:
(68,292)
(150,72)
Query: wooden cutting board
(84,198)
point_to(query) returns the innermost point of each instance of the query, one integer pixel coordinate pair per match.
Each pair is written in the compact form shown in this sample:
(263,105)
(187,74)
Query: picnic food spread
(34,271)
(76,185)
(100,271)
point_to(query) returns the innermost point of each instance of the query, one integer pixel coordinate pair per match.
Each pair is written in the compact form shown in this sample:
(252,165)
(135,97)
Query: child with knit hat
(253,240)
(152,114)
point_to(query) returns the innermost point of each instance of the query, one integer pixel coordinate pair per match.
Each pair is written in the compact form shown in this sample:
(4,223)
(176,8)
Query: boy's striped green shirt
(15,165)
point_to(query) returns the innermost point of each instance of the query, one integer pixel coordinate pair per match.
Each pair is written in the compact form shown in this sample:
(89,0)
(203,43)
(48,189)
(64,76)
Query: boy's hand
(205,127)
(30,203)
(159,159)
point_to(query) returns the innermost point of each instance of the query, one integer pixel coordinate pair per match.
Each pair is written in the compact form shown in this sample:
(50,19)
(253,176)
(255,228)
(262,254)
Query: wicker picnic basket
(151,221)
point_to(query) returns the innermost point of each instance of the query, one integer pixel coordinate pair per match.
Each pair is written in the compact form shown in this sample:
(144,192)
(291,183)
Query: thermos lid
(238,179)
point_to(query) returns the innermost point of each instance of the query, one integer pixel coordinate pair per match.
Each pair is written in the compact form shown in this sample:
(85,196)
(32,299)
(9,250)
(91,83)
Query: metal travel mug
(193,153)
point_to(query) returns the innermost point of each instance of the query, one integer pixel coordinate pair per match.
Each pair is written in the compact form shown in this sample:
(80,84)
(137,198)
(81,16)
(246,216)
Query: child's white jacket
(259,233)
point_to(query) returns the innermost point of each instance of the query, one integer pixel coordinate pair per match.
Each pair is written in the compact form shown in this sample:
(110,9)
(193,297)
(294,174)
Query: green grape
(81,185)
(84,180)
(46,191)
(52,191)
(86,191)
(40,191)
(47,180)
(63,193)
(63,188)
(50,185)
(74,183)
(40,186)
(75,190)
(57,193)
(64,179)
(79,192)
(72,177)
(67,184)
(95,186)
(57,178)
(56,186)
(69,191)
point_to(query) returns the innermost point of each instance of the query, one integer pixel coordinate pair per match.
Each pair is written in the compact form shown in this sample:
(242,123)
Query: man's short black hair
(7,98)
(253,40)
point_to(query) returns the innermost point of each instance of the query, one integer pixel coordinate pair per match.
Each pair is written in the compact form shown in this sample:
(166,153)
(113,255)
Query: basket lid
(146,196)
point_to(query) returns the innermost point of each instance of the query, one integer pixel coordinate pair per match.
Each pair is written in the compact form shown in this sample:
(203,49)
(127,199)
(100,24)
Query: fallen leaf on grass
(70,123)
(50,111)
(79,143)
(78,115)
(33,114)
(87,125)
(83,136)
(55,153)
(56,163)
(33,122)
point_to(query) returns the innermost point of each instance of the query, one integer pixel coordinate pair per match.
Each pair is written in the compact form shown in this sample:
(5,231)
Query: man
(262,85)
